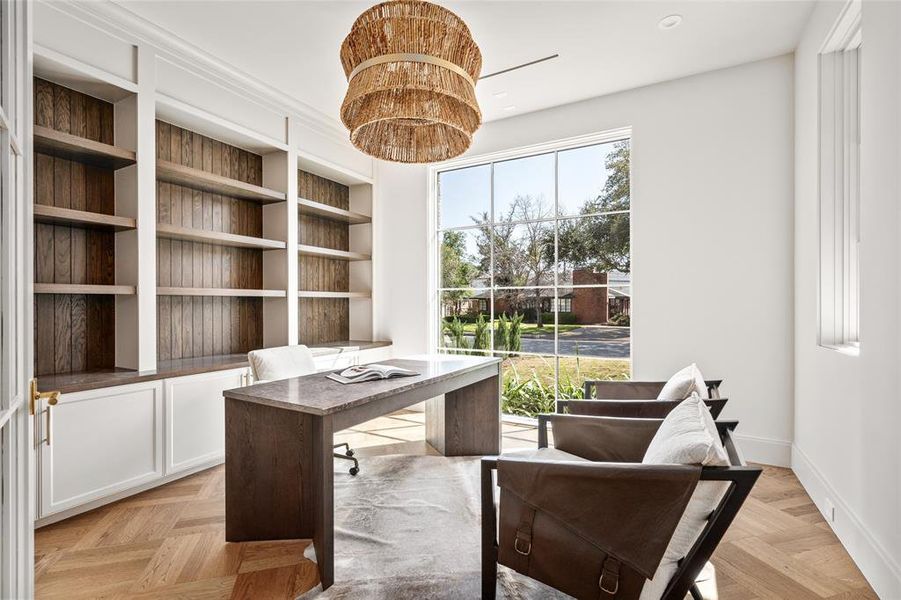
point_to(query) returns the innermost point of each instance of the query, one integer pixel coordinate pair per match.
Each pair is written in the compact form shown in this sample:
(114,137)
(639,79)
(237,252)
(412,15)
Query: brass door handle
(35,398)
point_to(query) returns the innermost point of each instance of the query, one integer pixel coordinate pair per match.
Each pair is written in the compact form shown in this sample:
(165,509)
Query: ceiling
(604,47)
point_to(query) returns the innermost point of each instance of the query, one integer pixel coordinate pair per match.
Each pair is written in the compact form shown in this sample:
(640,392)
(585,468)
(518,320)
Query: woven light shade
(411,68)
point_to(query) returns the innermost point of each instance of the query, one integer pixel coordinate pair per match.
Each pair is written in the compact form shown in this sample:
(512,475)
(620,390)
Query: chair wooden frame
(740,476)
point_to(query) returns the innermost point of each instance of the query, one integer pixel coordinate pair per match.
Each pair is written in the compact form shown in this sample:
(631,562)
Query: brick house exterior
(590,305)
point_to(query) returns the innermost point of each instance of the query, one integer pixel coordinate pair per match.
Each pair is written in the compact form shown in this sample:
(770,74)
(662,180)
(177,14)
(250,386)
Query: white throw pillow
(687,436)
(681,385)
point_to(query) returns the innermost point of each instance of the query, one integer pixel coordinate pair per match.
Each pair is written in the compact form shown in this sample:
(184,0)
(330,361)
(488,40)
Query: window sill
(846,349)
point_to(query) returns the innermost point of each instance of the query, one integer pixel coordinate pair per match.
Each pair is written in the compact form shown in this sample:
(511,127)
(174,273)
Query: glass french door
(16,425)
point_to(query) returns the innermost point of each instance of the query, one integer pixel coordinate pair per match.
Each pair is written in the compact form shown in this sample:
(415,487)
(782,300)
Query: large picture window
(533,265)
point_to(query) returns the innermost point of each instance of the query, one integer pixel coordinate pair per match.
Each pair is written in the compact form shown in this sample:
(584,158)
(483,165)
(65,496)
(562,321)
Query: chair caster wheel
(349,452)
(354,471)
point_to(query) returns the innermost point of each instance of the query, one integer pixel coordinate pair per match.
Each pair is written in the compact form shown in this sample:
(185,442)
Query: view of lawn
(528,381)
(530,329)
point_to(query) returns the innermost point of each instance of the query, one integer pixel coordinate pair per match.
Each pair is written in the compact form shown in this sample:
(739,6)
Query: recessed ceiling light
(669,22)
(511,107)
(500,94)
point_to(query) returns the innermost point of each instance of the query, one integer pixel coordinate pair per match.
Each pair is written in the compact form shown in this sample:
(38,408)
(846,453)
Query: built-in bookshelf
(335,258)
(76,228)
(210,245)
(217,217)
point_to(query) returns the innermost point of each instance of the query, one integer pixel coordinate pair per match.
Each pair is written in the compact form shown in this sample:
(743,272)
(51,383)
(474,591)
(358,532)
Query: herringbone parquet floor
(169,542)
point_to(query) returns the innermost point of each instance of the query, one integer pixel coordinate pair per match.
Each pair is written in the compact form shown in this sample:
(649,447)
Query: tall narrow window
(533,266)
(840,184)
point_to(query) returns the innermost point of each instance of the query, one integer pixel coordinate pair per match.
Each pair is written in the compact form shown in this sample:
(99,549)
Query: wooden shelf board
(80,218)
(73,147)
(311,294)
(233,292)
(195,178)
(176,232)
(78,288)
(305,250)
(318,209)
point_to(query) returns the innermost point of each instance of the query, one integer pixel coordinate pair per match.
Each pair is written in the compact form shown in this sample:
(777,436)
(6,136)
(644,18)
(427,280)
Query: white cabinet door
(100,442)
(195,418)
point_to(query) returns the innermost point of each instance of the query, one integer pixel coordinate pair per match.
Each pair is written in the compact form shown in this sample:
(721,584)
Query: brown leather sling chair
(633,399)
(598,529)
(635,390)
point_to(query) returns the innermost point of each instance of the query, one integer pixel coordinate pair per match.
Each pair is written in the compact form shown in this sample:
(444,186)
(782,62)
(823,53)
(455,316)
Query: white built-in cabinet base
(101,442)
(195,418)
(111,443)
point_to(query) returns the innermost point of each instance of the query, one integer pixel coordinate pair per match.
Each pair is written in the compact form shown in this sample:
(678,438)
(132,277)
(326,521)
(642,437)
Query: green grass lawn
(572,370)
(528,381)
(530,329)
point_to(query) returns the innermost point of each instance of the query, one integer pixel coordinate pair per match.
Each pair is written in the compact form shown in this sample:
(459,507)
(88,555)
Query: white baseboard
(881,570)
(765,451)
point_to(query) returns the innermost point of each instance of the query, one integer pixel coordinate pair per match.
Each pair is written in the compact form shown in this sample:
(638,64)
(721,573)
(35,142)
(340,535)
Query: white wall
(401,269)
(712,233)
(847,408)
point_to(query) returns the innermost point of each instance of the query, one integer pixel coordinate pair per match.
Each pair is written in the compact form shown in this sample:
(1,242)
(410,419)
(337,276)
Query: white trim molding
(880,568)
(120,19)
(765,451)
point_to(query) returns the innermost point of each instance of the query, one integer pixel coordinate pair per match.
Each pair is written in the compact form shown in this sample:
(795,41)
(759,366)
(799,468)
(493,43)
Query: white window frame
(839,184)
(434,258)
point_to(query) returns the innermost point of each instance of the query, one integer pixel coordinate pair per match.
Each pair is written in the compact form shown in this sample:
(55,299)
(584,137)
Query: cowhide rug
(408,527)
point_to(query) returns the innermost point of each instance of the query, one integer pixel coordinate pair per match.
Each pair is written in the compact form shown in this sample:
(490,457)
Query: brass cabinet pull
(47,434)
(34,399)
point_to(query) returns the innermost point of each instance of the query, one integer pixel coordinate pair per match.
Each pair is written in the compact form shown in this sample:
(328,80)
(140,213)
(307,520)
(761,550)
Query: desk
(278,441)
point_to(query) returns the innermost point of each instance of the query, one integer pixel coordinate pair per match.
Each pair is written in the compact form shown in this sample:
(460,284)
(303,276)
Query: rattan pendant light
(411,68)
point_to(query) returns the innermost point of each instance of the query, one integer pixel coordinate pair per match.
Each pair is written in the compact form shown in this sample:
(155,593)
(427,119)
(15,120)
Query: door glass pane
(524,188)
(528,383)
(594,250)
(464,325)
(524,320)
(575,370)
(594,179)
(465,259)
(464,196)
(524,254)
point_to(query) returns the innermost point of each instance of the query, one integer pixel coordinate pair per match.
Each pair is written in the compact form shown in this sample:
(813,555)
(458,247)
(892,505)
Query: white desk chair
(285,362)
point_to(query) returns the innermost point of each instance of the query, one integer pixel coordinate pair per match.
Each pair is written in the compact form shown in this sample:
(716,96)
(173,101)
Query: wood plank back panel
(190,327)
(323,320)
(73,332)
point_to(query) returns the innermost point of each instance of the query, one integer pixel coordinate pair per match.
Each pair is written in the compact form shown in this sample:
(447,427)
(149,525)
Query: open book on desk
(369,373)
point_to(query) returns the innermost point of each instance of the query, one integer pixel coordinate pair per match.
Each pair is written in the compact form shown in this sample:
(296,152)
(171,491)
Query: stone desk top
(315,394)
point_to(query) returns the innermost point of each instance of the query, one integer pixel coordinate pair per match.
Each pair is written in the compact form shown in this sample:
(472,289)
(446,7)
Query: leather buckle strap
(523,542)
(609,581)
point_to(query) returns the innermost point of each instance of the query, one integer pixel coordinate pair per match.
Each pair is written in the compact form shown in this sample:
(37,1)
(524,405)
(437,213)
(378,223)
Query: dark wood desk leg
(268,455)
(324,499)
(466,422)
